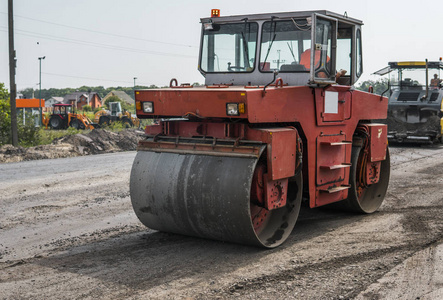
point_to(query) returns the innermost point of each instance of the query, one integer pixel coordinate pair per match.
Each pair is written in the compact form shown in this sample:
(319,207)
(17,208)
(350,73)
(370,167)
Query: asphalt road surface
(67,231)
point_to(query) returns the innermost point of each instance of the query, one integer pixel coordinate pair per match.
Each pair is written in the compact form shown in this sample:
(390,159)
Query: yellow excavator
(63,116)
(116,114)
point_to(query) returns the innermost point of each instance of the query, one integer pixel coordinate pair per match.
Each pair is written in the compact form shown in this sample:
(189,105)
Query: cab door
(323,49)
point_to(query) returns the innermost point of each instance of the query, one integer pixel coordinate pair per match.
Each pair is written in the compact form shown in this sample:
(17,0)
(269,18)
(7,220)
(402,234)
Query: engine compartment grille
(408,97)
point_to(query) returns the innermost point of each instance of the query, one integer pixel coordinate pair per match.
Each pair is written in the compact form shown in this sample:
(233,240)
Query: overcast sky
(109,42)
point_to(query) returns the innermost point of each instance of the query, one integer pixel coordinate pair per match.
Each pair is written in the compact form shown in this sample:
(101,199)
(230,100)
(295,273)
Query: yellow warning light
(215,13)
(411,63)
(241,108)
(138,105)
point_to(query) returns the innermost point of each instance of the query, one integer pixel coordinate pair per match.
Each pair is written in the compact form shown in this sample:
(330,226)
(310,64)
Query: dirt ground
(67,231)
(94,142)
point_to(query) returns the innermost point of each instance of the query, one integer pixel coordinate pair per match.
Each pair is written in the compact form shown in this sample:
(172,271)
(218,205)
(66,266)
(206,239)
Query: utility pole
(12,85)
(40,89)
(135,108)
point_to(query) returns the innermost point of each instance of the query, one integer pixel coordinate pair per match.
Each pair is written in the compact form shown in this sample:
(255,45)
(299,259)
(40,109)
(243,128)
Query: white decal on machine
(331,102)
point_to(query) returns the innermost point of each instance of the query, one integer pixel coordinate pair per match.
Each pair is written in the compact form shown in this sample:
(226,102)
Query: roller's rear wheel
(209,197)
(361,198)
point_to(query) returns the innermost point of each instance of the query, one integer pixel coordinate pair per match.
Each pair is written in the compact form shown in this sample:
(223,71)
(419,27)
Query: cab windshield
(413,79)
(229,47)
(62,109)
(284,46)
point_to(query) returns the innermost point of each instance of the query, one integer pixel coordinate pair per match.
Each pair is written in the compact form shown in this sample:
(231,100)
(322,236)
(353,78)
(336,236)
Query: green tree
(124,104)
(28,134)
(379,86)
(5,116)
(111,99)
(27,93)
(4,95)
(87,108)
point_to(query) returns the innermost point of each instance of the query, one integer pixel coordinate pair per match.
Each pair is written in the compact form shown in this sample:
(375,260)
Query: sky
(109,42)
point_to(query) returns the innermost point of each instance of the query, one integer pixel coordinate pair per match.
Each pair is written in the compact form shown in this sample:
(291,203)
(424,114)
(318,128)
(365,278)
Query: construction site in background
(64,116)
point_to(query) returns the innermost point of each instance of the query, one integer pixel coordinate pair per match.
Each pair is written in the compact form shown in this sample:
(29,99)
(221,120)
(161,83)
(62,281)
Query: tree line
(102,92)
(379,87)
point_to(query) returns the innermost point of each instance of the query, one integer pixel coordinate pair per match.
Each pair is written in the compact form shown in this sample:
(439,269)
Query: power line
(105,33)
(93,44)
(80,77)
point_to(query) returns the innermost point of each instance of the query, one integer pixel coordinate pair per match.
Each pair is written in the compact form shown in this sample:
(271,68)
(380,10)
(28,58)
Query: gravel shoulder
(67,230)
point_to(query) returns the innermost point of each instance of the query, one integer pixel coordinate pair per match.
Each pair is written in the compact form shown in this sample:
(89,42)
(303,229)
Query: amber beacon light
(215,13)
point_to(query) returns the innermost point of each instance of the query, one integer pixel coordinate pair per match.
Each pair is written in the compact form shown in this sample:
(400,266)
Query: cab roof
(395,65)
(283,15)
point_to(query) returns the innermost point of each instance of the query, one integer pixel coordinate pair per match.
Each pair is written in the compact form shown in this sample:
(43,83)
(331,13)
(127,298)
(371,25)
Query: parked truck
(276,123)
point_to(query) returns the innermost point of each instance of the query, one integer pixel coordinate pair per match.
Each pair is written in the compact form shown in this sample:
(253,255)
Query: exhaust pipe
(427,83)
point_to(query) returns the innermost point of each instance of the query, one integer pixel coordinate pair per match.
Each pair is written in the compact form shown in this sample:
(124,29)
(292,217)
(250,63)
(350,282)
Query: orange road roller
(277,122)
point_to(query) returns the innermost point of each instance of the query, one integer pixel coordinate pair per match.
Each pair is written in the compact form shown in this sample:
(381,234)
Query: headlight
(232,109)
(148,107)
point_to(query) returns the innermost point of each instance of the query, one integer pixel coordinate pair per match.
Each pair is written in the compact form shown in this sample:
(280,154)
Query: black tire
(104,120)
(127,123)
(76,124)
(372,196)
(56,122)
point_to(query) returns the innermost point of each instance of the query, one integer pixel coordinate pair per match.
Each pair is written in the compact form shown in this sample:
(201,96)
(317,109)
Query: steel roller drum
(205,196)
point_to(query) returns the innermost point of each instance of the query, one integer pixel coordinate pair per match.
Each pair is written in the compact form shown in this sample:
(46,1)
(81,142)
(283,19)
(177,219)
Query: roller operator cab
(277,122)
(415,101)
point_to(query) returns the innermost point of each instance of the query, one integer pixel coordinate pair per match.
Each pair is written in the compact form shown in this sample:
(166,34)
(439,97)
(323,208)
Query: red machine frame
(327,141)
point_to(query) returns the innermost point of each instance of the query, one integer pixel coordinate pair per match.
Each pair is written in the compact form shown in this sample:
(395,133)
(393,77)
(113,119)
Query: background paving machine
(232,160)
(415,102)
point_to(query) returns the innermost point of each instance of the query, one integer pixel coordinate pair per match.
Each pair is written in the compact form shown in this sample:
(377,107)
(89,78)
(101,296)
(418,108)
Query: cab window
(359,54)
(344,46)
(229,48)
(282,45)
(323,45)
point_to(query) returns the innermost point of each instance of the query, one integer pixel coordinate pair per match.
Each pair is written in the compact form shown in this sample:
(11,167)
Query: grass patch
(114,126)
(46,136)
